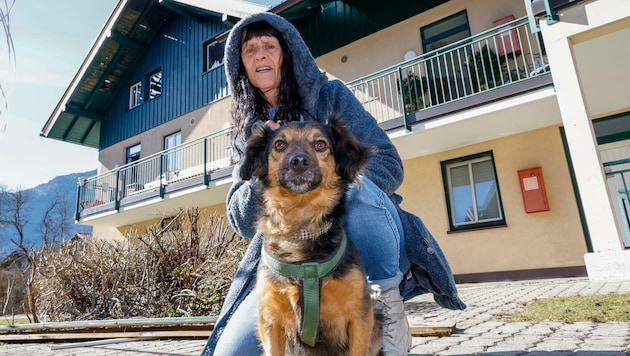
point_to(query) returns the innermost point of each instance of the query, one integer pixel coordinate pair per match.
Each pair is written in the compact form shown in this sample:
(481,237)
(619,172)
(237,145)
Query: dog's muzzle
(299,174)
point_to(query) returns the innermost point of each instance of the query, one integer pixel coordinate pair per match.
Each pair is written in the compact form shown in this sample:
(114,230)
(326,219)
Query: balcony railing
(151,175)
(487,61)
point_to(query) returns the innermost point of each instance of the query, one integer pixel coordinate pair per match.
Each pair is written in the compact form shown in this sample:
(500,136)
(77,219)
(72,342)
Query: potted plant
(485,68)
(412,88)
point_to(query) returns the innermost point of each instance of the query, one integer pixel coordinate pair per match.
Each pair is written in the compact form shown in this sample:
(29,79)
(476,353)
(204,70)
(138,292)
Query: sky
(51,40)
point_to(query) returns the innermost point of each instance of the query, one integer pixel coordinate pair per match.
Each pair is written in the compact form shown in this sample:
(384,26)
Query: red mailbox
(507,41)
(533,190)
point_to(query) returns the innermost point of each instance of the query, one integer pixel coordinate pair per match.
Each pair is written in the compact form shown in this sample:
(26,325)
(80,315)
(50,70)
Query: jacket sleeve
(242,204)
(385,168)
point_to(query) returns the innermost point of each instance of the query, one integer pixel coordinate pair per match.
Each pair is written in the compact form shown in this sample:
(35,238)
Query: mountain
(41,197)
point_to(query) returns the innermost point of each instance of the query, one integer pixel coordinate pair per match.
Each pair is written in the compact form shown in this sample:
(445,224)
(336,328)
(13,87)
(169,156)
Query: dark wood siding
(178,51)
(339,23)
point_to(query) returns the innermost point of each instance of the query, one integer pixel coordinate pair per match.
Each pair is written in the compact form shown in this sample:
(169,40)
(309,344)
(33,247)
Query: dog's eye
(280,145)
(320,145)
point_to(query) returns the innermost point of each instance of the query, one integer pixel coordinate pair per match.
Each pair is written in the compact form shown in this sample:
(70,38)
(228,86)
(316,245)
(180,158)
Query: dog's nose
(298,160)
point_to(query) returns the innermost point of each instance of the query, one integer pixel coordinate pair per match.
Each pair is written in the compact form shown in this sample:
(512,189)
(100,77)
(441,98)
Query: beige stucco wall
(379,51)
(602,64)
(530,241)
(119,233)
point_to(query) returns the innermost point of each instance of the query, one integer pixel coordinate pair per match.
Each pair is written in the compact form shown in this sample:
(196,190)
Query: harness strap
(309,273)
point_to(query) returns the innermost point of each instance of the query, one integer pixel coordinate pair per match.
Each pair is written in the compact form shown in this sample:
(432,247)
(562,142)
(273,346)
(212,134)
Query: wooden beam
(107,335)
(432,330)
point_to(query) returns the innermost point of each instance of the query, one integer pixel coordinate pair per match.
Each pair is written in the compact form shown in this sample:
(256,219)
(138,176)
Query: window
(135,95)
(133,153)
(472,192)
(171,157)
(155,84)
(213,51)
(445,31)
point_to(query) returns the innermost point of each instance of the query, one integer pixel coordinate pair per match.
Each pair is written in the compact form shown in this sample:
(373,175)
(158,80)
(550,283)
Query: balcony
(498,63)
(502,62)
(195,164)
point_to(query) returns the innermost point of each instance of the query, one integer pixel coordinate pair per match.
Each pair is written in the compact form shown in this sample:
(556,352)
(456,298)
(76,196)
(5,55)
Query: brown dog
(314,296)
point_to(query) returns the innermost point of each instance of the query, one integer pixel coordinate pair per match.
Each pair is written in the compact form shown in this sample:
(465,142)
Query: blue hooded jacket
(321,97)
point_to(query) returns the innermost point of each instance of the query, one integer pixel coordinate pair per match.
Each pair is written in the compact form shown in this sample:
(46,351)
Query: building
(512,118)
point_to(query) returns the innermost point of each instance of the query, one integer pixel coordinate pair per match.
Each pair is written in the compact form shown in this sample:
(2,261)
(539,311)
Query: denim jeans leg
(239,336)
(373,224)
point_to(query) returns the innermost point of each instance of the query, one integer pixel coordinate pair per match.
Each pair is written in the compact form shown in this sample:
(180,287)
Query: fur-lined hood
(308,76)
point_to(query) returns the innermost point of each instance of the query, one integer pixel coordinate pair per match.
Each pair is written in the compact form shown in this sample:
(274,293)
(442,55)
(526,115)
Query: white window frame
(135,95)
(172,159)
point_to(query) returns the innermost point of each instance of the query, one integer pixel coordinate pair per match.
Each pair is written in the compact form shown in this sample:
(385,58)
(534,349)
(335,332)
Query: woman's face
(262,58)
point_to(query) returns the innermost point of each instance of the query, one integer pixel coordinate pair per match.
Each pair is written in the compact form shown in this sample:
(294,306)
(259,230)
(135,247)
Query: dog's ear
(255,157)
(351,155)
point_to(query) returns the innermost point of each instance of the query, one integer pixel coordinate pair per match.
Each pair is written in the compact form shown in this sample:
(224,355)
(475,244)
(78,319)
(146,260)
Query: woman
(274,79)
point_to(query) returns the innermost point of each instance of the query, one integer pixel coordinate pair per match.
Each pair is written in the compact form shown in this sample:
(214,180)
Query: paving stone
(484,328)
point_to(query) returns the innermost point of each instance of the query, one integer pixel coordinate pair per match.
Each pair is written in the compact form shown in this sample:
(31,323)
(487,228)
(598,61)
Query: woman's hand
(272,124)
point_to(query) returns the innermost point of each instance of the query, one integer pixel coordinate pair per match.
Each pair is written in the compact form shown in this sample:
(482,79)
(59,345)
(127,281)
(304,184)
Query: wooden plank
(432,330)
(107,335)
(128,323)
(100,333)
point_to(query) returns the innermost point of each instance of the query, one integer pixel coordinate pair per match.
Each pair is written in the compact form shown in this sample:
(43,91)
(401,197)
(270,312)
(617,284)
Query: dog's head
(300,157)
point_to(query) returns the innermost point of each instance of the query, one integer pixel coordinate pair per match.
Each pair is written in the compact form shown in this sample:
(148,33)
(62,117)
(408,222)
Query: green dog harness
(309,273)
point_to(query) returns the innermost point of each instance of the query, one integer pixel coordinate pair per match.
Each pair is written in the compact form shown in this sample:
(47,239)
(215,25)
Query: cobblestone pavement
(483,328)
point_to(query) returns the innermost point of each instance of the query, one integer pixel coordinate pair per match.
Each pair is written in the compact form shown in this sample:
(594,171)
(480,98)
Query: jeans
(373,224)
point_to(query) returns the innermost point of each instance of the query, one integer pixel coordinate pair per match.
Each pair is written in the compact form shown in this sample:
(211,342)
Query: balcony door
(445,67)
(172,153)
(130,173)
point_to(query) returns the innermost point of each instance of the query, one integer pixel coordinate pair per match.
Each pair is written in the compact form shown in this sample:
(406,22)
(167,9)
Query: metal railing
(492,59)
(153,173)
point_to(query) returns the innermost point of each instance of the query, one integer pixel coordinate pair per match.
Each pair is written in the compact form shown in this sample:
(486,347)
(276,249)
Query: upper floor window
(472,192)
(445,31)
(213,54)
(155,84)
(135,95)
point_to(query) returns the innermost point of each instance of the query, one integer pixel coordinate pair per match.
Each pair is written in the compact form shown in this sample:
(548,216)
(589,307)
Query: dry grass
(14,319)
(596,308)
(182,267)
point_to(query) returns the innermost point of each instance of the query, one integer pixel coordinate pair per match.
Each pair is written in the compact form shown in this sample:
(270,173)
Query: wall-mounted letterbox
(533,190)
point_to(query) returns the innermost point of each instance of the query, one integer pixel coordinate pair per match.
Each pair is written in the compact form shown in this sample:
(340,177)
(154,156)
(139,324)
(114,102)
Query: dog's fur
(304,170)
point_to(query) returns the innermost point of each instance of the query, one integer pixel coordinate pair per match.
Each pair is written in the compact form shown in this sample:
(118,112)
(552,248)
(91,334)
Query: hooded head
(308,77)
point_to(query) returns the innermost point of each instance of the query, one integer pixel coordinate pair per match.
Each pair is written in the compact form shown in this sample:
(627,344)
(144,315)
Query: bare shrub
(181,267)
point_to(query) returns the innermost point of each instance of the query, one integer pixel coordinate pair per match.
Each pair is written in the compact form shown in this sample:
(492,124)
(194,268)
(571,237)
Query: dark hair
(248,103)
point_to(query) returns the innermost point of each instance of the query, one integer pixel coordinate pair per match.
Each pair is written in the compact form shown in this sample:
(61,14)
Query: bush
(181,267)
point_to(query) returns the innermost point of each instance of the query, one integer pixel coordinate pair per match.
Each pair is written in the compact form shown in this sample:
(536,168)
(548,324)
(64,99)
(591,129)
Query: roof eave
(94,48)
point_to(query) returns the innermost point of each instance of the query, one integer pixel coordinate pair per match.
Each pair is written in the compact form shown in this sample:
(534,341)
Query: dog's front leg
(273,338)
(359,336)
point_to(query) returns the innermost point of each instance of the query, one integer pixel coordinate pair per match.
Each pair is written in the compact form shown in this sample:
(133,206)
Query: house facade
(512,119)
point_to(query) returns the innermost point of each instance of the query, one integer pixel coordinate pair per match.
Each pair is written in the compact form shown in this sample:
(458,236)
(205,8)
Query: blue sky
(51,39)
